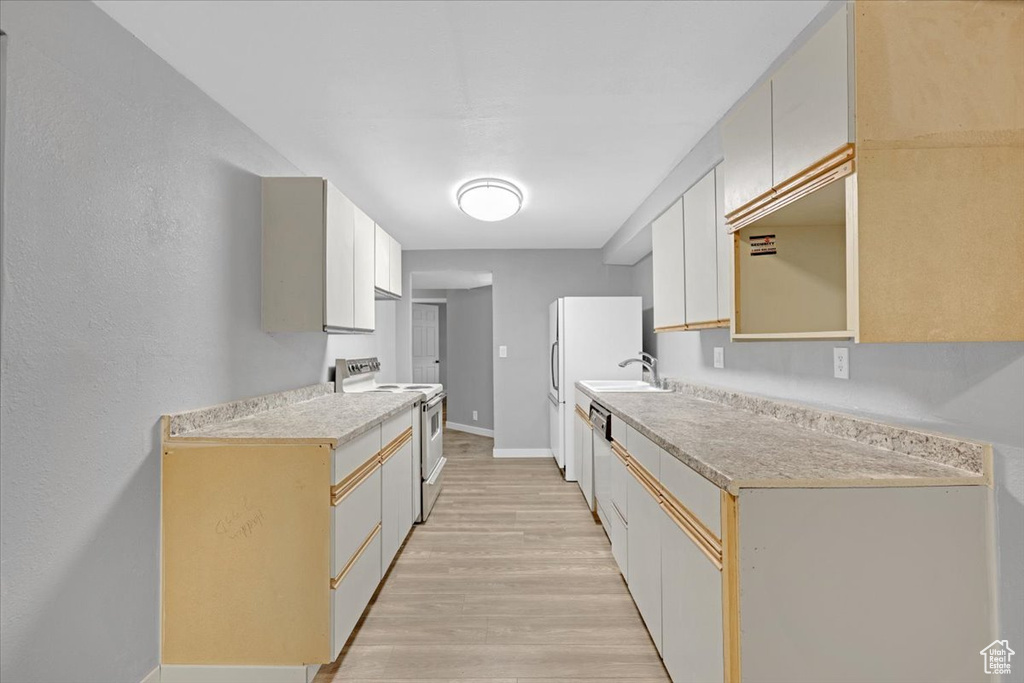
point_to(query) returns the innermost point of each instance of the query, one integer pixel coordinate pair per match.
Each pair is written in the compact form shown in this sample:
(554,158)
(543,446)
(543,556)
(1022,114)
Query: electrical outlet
(719,357)
(841,362)
(502,352)
(474,416)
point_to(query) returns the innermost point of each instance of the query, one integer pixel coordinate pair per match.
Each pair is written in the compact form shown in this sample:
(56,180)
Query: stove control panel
(358,366)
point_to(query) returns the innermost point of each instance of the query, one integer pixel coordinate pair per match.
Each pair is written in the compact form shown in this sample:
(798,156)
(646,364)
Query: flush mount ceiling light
(489,199)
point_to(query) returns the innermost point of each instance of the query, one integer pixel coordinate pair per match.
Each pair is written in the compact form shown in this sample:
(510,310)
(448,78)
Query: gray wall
(471,343)
(525,282)
(974,391)
(429,293)
(131,262)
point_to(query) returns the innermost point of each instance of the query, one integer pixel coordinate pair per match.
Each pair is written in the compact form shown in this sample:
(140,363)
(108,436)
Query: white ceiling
(586,105)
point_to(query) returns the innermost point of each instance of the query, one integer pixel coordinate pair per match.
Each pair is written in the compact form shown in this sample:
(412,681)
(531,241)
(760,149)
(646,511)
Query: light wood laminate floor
(509,580)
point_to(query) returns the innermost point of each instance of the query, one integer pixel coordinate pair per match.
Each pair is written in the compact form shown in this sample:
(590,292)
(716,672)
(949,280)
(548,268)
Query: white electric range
(356,376)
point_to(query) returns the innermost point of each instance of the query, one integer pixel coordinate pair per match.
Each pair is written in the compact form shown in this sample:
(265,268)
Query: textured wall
(974,391)
(471,347)
(525,283)
(131,270)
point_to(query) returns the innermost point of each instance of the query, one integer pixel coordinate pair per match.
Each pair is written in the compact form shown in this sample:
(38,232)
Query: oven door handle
(434,401)
(437,471)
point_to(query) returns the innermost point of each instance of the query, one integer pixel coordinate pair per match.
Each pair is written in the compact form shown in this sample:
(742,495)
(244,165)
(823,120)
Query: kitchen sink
(622,386)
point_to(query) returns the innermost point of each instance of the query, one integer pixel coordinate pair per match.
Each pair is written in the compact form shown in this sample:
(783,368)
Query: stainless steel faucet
(649,362)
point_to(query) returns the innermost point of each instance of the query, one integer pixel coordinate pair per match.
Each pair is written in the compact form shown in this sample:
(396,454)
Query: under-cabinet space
(791,270)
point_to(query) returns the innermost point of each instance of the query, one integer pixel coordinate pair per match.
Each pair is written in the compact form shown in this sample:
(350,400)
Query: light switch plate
(474,416)
(502,352)
(719,357)
(841,362)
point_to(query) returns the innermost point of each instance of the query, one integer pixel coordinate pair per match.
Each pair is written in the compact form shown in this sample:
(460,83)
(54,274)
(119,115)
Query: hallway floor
(509,580)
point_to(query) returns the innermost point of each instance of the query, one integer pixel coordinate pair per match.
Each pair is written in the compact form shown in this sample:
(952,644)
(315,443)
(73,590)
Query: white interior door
(426,360)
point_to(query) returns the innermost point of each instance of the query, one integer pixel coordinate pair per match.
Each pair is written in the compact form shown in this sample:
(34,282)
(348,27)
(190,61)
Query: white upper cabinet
(669,284)
(382,269)
(395,267)
(311,277)
(339,295)
(723,249)
(747,144)
(692,260)
(365,237)
(388,266)
(700,256)
(810,102)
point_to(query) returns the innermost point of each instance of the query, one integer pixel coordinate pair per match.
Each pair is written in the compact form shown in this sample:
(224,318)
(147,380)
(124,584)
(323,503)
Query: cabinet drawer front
(355,517)
(644,450)
(354,591)
(620,541)
(393,428)
(698,495)
(349,456)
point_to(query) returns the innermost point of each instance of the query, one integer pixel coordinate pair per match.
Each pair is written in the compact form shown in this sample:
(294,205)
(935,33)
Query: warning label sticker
(762,245)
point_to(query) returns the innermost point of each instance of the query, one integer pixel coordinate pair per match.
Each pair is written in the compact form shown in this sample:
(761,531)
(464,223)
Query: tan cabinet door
(810,101)
(747,143)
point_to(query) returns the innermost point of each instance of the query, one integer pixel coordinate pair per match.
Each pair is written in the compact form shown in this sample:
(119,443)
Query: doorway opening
(453,344)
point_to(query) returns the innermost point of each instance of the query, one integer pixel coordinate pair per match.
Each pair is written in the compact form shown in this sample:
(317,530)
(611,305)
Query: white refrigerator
(588,336)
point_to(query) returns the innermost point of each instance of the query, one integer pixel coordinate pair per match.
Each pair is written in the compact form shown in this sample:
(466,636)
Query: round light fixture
(489,199)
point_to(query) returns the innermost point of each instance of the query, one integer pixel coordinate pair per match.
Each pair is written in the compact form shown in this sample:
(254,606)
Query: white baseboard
(479,431)
(153,676)
(183,673)
(522,453)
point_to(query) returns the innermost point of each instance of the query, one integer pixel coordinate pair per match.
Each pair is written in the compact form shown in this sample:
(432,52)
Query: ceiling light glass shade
(489,199)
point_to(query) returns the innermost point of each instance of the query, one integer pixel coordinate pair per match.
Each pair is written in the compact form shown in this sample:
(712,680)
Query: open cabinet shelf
(792,269)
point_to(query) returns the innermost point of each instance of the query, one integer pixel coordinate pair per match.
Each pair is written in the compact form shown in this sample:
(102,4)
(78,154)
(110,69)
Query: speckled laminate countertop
(302,416)
(736,448)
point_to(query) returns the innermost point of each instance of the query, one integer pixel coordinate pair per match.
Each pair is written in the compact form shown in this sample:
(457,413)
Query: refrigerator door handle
(554,378)
(553,400)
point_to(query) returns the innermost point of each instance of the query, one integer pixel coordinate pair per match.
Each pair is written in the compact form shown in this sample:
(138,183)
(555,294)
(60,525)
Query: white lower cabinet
(396,510)
(396,485)
(586,445)
(583,454)
(353,594)
(602,479)
(618,532)
(644,553)
(691,609)
(354,517)
(619,478)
